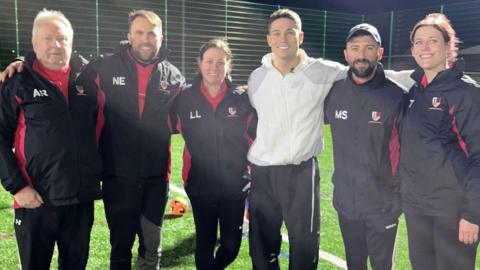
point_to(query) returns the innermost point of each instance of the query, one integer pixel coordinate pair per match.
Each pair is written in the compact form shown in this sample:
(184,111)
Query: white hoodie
(290,109)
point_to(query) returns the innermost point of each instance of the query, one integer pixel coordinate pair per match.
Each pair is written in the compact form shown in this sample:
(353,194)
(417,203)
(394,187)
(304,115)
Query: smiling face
(362,54)
(430,49)
(145,39)
(284,38)
(52,44)
(214,67)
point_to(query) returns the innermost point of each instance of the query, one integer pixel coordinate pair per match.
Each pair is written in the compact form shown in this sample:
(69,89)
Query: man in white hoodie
(288,92)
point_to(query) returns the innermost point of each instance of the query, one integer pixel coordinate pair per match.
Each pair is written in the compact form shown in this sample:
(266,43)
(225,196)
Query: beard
(144,56)
(365,71)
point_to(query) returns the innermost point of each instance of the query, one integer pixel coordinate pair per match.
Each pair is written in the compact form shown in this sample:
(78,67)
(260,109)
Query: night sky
(360,6)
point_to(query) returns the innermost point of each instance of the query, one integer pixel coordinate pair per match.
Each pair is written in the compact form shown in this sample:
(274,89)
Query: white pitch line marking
(321,254)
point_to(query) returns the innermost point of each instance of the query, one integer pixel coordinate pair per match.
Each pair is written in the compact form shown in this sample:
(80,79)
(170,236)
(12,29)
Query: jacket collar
(197,80)
(443,78)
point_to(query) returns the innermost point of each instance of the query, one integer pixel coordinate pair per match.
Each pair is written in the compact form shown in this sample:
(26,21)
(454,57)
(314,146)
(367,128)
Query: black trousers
(287,194)
(208,216)
(369,238)
(134,210)
(37,231)
(433,244)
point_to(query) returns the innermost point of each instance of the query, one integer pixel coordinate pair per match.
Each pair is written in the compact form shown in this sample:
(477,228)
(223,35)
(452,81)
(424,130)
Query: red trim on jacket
(214,101)
(187,165)
(461,142)
(100,108)
(20,148)
(186,157)
(144,73)
(394,147)
(59,78)
(249,124)
(424,81)
(143,76)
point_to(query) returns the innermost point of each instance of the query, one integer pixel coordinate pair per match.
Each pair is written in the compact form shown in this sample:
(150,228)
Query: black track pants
(369,238)
(287,193)
(433,244)
(208,216)
(134,210)
(37,231)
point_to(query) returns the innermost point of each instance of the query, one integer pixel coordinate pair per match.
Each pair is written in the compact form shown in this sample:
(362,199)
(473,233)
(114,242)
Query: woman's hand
(467,232)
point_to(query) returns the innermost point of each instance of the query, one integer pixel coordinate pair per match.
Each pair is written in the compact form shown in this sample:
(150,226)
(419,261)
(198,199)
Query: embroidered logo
(39,93)
(80,90)
(232,112)
(195,115)
(18,222)
(118,80)
(164,87)
(376,116)
(436,103)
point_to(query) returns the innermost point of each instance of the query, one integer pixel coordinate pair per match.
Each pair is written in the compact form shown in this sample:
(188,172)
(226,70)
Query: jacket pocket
(43,110)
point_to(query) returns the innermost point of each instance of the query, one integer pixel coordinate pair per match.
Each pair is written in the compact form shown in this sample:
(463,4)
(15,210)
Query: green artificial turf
(179,236)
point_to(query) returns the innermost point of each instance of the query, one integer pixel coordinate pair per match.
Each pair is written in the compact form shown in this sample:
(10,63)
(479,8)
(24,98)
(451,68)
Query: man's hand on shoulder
(13,68)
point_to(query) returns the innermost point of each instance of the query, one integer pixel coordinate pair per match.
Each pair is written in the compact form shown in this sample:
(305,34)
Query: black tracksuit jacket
(133,147)
(363,120)
(217,142)
(55,142)
(440,150)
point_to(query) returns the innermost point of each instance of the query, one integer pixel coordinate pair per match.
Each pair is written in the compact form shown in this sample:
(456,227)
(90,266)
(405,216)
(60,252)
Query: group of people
(402,141)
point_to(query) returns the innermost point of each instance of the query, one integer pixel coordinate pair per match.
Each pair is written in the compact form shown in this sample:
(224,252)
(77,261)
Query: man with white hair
(53,123)
(139,85)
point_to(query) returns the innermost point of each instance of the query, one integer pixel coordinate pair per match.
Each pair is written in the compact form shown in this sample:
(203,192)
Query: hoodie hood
(268,62)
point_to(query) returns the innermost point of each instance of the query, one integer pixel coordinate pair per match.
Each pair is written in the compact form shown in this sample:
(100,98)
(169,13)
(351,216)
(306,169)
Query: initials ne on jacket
(118,80)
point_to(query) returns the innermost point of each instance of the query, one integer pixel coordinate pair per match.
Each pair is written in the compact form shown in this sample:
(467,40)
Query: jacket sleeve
(252,125)
(10,173)
(326,104)
(394,144)
(173,119)
(467,119)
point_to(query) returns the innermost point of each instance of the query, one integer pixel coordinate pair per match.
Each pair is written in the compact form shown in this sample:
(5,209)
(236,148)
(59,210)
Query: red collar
(214,101)
(60,78)
(424,81)
(49,74)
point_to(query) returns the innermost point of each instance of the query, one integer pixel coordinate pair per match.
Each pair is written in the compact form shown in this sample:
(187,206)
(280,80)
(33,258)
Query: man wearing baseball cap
(363,111)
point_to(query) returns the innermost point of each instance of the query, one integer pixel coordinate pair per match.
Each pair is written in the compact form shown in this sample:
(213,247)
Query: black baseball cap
(368,29)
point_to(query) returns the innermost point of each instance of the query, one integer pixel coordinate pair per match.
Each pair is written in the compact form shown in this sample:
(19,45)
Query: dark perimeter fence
(100,24)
